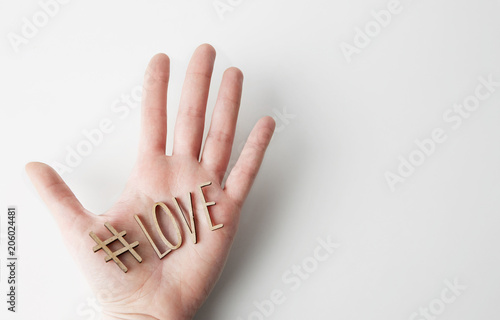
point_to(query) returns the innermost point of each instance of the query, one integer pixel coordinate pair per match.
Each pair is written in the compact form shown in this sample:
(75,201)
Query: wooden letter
(192,228)
(162,236)
(160,233)
(146,233)
(206,205)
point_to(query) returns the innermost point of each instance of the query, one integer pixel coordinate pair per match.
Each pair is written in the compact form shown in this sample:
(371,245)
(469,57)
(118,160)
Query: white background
(324,175)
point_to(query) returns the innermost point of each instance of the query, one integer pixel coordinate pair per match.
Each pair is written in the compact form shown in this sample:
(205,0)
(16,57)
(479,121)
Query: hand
(176,286)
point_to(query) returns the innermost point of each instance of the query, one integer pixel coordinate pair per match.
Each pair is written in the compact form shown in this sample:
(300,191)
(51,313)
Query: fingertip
(207,48)
(234,70)
(265,129)
(160,58)
(41,173)
(51,187)
(159,67)
(268,122)
(30,166)
(34,167)
(234,74)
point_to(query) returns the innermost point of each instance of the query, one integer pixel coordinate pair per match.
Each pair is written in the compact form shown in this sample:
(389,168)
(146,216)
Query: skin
(176,286)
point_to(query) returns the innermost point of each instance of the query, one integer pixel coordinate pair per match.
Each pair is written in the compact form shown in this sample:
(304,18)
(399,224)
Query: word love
(191,226)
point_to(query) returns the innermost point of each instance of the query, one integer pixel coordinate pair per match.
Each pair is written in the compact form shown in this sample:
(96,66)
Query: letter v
(192,228)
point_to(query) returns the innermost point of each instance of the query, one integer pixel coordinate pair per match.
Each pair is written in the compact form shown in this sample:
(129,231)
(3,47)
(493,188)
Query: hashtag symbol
(114,255)
(11,253)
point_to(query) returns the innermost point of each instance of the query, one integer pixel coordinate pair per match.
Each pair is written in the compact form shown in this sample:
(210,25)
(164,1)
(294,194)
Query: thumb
(62,203)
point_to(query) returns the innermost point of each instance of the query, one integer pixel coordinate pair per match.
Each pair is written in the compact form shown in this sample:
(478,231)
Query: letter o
(87,145)
(419,161)
(136,93)
(160,233)
(310,264)
(369,28)
(436,306)
(471,103)
(36,19)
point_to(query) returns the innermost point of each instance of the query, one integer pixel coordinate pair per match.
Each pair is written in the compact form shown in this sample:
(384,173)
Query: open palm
(175,286)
